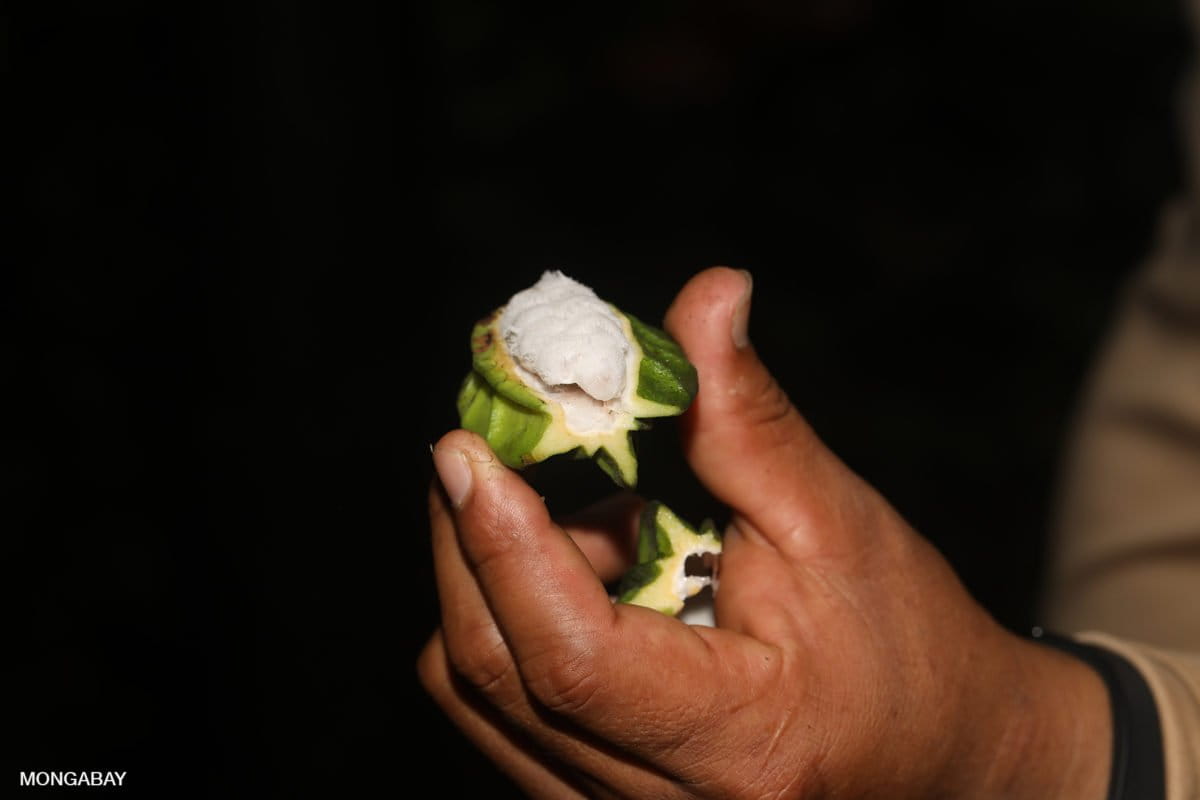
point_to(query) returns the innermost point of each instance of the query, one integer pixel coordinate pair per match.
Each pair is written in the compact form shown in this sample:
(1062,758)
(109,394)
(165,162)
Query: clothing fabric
(1125,569)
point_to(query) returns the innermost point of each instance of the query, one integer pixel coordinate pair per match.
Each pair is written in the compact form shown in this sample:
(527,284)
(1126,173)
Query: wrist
(1137,768)
(1043,728)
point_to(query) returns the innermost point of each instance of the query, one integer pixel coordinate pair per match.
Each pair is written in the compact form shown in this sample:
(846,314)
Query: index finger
(637,678)
(546,598)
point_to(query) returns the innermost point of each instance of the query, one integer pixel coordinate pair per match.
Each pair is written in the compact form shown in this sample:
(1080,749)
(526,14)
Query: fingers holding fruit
(528,626)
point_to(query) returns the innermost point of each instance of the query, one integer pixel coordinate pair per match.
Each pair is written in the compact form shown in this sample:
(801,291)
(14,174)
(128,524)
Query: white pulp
(571,346)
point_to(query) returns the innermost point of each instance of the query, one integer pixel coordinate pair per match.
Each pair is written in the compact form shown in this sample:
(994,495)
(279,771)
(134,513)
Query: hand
(848,661)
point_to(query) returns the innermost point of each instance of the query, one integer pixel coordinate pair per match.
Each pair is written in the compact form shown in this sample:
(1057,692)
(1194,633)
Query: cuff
(1137,757)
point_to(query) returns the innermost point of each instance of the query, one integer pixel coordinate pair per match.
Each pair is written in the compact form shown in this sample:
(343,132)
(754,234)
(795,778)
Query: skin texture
(848,662)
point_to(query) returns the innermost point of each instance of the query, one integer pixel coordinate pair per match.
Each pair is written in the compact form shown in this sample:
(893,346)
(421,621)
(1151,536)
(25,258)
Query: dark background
(253,236)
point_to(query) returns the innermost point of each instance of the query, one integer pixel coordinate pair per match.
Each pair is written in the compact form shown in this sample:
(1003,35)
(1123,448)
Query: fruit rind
(658,580)
(523,426)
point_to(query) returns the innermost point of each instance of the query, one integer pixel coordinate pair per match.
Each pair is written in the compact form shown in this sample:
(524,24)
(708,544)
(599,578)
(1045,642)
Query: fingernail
(740,327)
(454,473)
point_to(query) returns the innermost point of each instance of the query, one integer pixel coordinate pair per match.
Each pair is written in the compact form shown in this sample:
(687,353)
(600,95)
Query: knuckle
(491,534)
(757,399)
(429,667)
(487,667)
(433,672)
(767,403)
(564,684)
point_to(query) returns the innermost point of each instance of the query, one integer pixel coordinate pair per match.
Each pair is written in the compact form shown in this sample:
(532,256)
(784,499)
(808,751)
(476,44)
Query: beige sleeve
(1126,559)
(1174,680)
(1127,548)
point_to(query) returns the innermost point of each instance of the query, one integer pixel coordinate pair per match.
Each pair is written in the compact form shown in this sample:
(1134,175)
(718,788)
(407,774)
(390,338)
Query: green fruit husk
(523,426)
(664,543)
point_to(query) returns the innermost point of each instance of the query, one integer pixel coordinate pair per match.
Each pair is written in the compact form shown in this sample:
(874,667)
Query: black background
(248,241)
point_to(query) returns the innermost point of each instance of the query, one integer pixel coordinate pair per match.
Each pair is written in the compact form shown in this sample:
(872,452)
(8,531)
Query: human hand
(849,661)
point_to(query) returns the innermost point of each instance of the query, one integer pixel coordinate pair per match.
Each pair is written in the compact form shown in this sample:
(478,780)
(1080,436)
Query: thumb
(742,436)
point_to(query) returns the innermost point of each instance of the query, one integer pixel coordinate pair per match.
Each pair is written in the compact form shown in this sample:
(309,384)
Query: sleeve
(1173,678)
(1127,546)
(1126,556)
